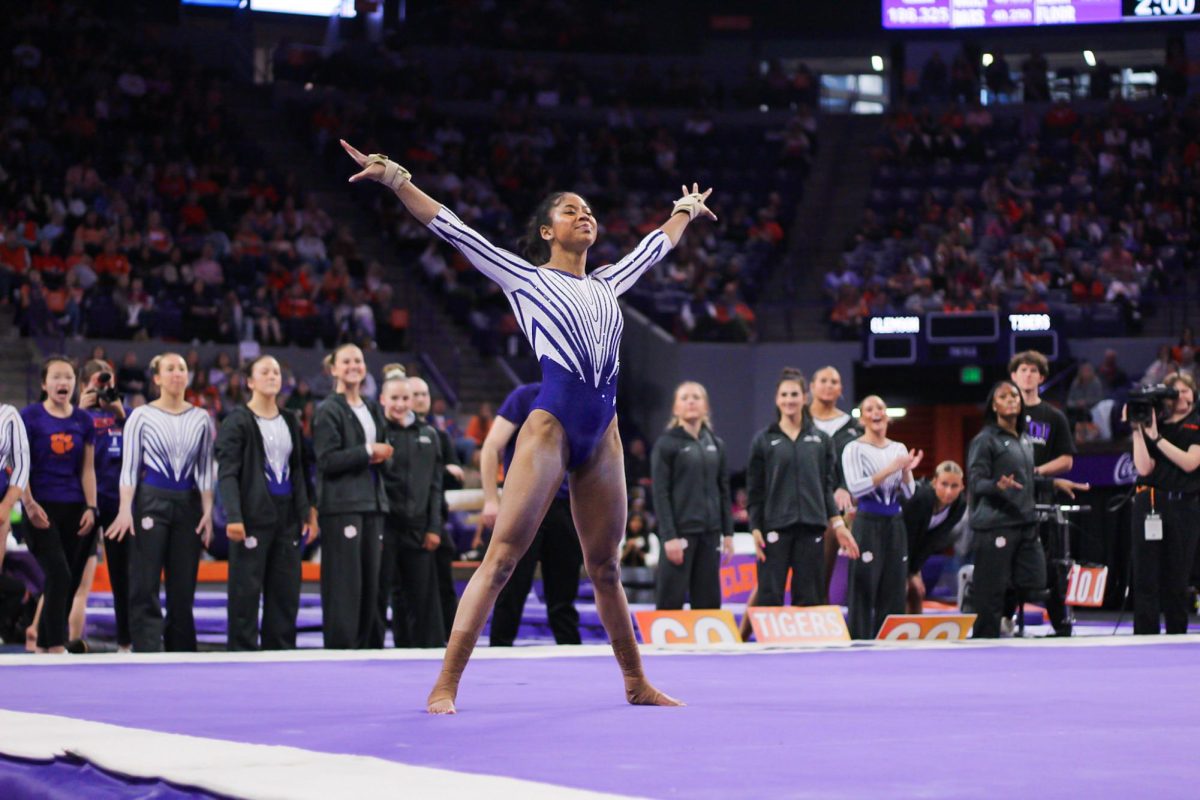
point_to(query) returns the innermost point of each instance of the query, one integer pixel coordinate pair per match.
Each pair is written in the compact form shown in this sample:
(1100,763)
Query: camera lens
(104,377)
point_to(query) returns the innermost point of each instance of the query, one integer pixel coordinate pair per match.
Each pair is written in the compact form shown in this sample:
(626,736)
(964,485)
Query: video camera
(1144,401)
(107,392)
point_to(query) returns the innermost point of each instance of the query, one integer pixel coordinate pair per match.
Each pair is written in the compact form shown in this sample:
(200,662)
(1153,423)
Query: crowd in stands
(492,171)
(1061,211)
(131,206)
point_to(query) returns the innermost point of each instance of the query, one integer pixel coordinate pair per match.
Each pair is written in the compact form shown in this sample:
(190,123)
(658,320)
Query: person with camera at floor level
(842,428)
(264,488)
(60,500)
(1002,481)
(453,477)
(167,479)
(691,497)
(556,544)
(931,515)
(878,473)
(1053,454)
(349,438)
(102,401)
(1166,518)
(413,528)
(790,480)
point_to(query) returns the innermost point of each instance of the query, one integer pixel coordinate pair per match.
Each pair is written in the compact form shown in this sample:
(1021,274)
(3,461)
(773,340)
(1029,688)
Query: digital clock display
(926,14)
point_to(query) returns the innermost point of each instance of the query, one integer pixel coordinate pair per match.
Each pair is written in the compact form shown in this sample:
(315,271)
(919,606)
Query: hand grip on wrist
(394,176)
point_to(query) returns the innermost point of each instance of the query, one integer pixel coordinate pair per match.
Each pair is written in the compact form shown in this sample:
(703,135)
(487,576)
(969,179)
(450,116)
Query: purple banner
(916,14)
(1104,469)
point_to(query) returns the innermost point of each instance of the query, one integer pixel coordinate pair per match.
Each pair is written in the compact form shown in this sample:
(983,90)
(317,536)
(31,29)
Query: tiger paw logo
(62,443)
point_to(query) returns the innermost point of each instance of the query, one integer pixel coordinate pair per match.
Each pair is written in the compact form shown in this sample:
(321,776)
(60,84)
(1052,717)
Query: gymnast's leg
(533,479)
(598,504)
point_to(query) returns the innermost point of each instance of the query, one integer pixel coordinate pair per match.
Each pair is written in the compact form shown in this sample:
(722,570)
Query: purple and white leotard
(573,324)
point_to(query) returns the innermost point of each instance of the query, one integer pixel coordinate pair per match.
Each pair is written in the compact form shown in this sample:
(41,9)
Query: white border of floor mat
(260,772)
(578,651)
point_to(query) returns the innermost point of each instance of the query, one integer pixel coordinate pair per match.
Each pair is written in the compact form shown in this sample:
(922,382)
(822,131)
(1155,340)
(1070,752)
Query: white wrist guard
(394,175)
(689,204)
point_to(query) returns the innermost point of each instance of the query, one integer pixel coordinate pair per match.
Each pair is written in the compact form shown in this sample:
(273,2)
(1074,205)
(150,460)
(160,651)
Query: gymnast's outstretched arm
(383,170)
(507,269)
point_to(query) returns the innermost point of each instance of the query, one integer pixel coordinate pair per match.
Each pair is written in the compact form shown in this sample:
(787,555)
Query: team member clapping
(878,474)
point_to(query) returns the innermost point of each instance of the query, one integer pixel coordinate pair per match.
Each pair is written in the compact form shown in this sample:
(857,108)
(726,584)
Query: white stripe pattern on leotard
(574,322)
(173,445)
(861,461)
(14,447)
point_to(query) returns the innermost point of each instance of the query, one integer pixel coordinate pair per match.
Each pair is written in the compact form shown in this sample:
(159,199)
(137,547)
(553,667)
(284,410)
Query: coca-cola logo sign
(1124,472)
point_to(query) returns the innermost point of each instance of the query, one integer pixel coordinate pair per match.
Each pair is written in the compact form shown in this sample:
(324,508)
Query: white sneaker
(1007,626)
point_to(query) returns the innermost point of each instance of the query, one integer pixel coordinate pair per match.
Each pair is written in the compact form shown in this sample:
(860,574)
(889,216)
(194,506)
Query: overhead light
(893,413)
(877,63)
(987,59)
(1089,57)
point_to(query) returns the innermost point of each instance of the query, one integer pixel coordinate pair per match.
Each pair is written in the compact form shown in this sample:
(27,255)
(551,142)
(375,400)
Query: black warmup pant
(443,564)
(1160,569)
(164,541)
(351,547)
(116,559)
(270,570)
(1003,555)
(62,554)
(800,548)
(698,578)
(557,546)
(879,577)
(408,578)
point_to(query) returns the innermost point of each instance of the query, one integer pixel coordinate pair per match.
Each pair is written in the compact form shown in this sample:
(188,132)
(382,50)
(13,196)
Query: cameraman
(1166,521)
(101,400)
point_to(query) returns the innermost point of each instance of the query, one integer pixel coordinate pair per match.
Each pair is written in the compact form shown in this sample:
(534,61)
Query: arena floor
(1093,716)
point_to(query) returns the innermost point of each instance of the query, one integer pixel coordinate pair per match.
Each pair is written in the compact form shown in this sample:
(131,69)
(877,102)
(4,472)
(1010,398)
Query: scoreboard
(938,338)
(935,14)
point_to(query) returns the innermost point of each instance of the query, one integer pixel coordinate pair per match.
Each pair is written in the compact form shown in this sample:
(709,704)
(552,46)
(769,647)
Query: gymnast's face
(947,486)
(827,386)
(572,225)
(789,399)
(397,399)
(691,404)
(873,414)
(266,378)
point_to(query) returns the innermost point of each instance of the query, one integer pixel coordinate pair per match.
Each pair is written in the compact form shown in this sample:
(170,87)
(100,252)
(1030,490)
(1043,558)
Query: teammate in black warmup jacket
(842,428)
(263,484)
(1053,454)
(349,440)
(1001,481)
(930,516)
(692,503)
(1166,520)
(452,478)
(790,481)
(413,532)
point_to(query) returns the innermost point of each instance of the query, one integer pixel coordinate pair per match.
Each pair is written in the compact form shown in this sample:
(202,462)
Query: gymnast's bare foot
(643,694)
(440,705)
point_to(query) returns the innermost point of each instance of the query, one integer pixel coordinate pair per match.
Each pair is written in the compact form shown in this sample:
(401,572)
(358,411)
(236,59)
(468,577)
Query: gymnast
(574,324)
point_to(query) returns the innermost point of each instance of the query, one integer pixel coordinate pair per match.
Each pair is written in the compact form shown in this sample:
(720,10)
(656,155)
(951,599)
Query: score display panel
(946,14)
(937,338)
